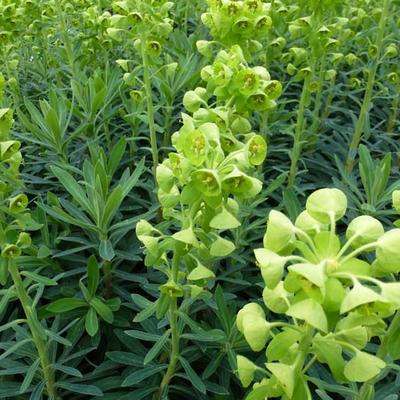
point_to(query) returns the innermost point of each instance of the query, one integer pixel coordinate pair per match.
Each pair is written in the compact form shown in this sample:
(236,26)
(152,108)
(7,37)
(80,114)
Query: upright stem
(329,99)
(185,22)
(304,347)
(173,322)
(298,135)
(351,156)
(168,123)
(26,302)
(395,107)
(67,43)
(108,285)
(318,102)
(270,35)
(150,106)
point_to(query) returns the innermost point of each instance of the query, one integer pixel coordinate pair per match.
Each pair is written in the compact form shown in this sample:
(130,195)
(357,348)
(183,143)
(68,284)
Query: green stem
(173,322)
(329,100)
(37,336)
(351,156)
(309,364)
(168,123)
(307,237)
(394,112)
(304,347)
(150,106)
(318,102)
(270,36)
(298,135)
(66,39)
(108,285)
(366,247)
(186,17)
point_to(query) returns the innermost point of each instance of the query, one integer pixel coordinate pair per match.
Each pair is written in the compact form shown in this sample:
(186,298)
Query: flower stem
(150,106)
(34,326)
(304,347)
(67,43)
(395,107)
(298,135)
(173,322)
(316,124)
(108,285)
(360,125)
(329,99)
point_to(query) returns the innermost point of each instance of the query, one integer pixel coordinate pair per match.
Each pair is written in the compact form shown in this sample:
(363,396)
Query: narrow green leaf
(146,313)
(128,185)
(73,188)
(149,337)
(155,350)
(65,305)
(30,374)
(38,278)
(112,206)
(193,377)
(89,390)
(37,392)
(67,370)
(116,156)
(223,313)
(91,322)
(15,347)
(102,309)
(142,374)
(93,275)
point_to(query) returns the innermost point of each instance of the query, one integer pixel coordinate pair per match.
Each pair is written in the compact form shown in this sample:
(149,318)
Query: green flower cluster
(23,20)
(15,220)
(144,20)
(232,80)
(93,20)
(235,22)
(201,183)
(334,299)
(198,188)
(315,40)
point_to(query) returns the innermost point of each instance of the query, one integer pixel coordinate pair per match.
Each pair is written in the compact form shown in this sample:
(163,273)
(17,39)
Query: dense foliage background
(95,102)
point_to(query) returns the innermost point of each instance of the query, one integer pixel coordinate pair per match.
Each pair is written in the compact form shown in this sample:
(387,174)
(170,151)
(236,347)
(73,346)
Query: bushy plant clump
(199,199)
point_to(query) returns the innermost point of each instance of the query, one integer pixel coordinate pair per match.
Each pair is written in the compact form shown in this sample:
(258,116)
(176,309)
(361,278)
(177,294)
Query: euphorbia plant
(375,55)
(199,186)
(15,224)
(308,63)
(334,295)
(144,23)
